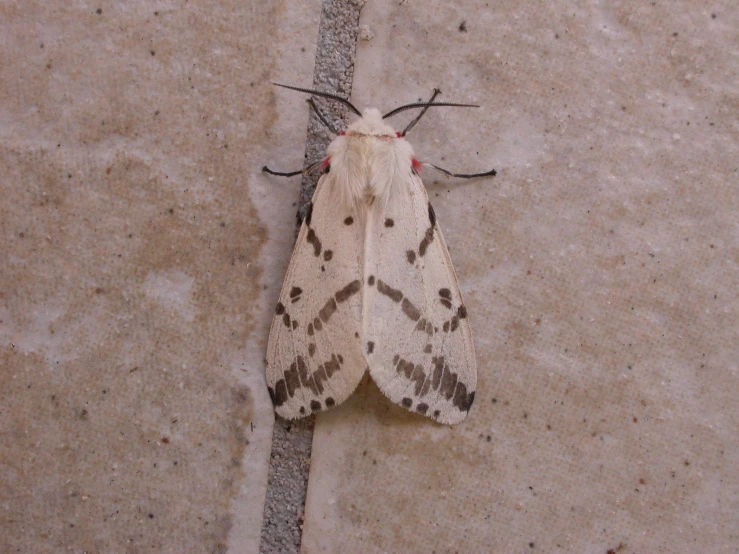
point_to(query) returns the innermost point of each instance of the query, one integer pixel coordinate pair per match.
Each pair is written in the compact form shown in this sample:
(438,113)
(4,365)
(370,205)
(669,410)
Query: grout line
(289,465)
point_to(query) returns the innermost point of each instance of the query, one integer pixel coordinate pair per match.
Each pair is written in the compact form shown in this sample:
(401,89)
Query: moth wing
(418,339)
(314,354)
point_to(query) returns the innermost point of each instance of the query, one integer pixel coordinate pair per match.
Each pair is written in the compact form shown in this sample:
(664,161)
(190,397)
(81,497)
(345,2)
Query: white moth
(371,286)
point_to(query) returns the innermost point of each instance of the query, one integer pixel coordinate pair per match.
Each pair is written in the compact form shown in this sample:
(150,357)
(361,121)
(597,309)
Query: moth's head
(371,123)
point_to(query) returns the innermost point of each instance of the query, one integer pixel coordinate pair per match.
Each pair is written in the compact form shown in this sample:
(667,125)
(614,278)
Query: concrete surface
(600,275)
(142,253)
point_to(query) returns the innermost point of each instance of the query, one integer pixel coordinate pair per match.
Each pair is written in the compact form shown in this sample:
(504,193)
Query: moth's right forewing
(314,355)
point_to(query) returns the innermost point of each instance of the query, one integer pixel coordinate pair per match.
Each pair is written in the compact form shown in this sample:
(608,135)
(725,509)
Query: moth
(370,286)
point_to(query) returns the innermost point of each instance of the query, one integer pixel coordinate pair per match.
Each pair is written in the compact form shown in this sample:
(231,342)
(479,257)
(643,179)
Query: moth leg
(490,173)
(321,117)
(308,169)
(423,111)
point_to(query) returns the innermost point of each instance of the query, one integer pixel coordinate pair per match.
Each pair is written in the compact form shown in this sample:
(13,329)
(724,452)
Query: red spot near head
(325,163)
(416,164)
(399,135)
(342,133)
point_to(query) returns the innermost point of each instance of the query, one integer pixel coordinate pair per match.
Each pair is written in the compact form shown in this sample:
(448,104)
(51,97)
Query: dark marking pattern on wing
(313,239)
(309,213)
(326,312)
(370,347)
(428,237)
(327,255)
(445,297)
(299,375)
(351,289)
(413,372)
(427,349)
(406,402)
(315,406)
(441,379)
(371,280)
(394,294)
(432,215)
(280,308)
(330,402)
(389,222)
(410,255)
(349,220)
(410,310)
(312,349)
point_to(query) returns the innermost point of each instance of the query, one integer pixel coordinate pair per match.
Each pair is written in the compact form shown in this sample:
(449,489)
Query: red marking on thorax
(325,163)
(399,135)
(416,164)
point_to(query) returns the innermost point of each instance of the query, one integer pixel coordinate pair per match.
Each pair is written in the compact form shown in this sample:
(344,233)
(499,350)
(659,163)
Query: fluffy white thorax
(369,163)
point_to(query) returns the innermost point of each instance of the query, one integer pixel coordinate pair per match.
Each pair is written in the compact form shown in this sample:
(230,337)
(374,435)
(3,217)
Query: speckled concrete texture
(599,269)
(142,251)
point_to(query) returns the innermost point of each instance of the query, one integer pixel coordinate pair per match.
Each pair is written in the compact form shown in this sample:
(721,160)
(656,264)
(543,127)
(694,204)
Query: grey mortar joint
(289,466)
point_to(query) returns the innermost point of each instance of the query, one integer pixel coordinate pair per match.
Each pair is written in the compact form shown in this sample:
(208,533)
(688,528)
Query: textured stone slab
(599,270)
(142,251)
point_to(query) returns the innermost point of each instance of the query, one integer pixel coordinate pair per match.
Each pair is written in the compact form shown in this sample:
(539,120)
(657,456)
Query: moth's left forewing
(418,340)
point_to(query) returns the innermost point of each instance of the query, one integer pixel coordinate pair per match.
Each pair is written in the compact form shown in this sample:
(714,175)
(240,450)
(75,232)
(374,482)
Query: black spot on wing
(280,308)
(315,406)
(389,222)
(328,254)
(349,220)
(309,213)
(326,312)
(370,347)
(313,239)
(410,310)
(445,297)
(295,292)
(371,280)
(422,408)
(302,409)
(428,238)
(394,294)
(351,289)
(280,394)
(432,215)
(406,402)
(330,402)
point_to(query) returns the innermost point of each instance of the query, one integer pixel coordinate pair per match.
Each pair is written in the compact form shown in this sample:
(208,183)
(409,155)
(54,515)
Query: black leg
(423,111)
(308,169)
(490,173)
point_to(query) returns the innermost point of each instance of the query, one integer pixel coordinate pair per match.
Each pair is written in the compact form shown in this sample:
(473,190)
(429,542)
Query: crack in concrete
(291,440)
